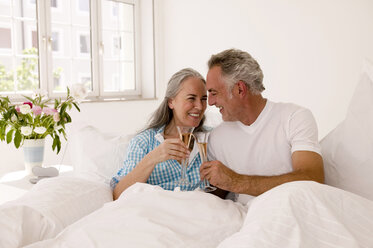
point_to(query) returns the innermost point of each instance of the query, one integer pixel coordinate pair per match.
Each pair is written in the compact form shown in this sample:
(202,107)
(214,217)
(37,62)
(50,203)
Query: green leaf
(9,136)
(76,106)
(2,130)
(54,142)
(63,132)
(28,98)
(29,119)
(63,108)
(17,139)
(58,144)
(68,118)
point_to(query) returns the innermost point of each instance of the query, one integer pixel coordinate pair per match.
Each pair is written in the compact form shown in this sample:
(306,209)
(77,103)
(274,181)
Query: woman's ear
(170,103)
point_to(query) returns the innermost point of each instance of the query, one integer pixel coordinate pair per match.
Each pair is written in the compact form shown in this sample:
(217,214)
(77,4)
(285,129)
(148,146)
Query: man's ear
(242,88)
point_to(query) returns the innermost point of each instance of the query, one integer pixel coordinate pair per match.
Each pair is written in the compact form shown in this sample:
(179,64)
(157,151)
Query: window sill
(117,99)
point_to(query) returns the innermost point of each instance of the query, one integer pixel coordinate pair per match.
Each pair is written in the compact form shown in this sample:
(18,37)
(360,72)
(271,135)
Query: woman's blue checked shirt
(165,174)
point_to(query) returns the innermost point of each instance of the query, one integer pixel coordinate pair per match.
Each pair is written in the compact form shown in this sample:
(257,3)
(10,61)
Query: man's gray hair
(163,115)
(237,65)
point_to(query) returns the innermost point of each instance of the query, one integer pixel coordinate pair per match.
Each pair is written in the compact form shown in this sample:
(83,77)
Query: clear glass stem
(207,183)
(183,177)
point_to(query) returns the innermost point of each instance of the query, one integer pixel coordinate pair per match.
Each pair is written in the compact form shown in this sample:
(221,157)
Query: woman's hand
(170,149)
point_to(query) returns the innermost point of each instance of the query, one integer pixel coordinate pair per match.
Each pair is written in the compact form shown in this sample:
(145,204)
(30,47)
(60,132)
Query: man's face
(219,95)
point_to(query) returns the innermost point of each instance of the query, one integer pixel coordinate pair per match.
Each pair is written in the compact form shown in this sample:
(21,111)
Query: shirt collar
(159,136)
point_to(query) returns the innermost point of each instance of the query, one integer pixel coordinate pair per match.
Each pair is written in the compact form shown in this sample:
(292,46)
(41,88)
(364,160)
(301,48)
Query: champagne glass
(202,147)
(186,134)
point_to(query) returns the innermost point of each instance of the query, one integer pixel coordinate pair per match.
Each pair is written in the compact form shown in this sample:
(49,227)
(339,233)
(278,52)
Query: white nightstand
(15,184)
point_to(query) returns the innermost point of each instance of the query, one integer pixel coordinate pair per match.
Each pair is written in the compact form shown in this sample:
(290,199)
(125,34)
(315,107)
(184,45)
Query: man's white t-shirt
(264,148)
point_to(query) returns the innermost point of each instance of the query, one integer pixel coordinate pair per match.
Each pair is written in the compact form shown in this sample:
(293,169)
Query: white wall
(311,52)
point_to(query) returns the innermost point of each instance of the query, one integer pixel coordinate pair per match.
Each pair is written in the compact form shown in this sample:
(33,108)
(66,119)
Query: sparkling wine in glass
(202,147)
(186,135)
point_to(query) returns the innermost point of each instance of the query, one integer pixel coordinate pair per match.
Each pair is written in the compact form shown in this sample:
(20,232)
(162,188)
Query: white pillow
(347,150)
(97,155)
(50,206)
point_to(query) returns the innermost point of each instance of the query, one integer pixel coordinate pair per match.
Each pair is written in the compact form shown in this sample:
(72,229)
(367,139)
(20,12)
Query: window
(34,37)
(19,60)
(54,4)
(54,44)
(55,41)
(84,44)
(83,5)
(5,38)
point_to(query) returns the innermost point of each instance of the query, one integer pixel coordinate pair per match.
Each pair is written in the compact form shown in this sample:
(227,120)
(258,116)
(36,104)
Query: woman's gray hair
(237,65)
(163,115)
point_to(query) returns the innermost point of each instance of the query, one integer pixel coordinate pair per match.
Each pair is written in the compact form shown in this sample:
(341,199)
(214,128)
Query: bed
(78,210)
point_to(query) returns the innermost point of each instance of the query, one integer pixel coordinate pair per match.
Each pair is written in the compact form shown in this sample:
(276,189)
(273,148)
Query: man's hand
(306,166)
(218,175)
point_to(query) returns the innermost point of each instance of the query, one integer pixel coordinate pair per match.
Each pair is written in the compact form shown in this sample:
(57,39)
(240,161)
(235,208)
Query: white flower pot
(33,150)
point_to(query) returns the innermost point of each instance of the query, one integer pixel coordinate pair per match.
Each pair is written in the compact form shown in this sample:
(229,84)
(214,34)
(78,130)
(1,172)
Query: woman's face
(189,104)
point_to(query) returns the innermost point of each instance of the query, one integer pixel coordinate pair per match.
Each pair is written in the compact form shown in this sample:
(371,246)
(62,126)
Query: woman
(153,154)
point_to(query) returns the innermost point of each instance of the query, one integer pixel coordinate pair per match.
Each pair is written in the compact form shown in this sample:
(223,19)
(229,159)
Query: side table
(16,183)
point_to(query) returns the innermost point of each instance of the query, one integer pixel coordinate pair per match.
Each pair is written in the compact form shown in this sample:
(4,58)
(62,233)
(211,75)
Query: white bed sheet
(148,216)
(50,206)
(297,214)
(306,214)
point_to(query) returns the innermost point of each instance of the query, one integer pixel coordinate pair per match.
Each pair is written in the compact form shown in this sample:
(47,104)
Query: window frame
(44,10)
(137,57)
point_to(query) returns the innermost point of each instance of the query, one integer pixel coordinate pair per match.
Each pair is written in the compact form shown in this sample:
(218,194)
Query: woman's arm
(169,149)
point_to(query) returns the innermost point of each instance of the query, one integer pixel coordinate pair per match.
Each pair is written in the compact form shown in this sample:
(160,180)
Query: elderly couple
(260,145)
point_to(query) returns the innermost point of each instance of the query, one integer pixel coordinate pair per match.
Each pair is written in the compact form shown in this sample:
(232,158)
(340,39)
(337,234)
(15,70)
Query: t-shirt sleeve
(137,149)
(302,131)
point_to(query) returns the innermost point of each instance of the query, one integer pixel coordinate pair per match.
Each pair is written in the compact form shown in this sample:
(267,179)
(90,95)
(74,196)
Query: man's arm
(307,165)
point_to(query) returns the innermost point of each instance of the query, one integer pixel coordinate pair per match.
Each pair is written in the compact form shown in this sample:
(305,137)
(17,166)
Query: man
(260,144)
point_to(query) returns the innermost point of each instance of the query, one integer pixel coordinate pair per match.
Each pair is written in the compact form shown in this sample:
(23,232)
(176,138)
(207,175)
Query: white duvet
(306,214)
(148,216)
(297,214)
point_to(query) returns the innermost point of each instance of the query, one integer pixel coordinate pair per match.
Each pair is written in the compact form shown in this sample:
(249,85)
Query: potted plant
(28,124)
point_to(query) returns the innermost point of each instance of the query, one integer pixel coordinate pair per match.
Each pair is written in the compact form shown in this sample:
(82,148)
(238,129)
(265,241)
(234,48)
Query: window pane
(74,12)
(128,73)
(19,64)
(54,4)
(118,16)
(119,76)
(112,76)
(118,38)
(82,73)
(25,9)
(56,40)
(83,5)
(61,74)
(24,36)
(71,44)
(5,38)
(27,76)
(83,42)
(6,74)
(5,8)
